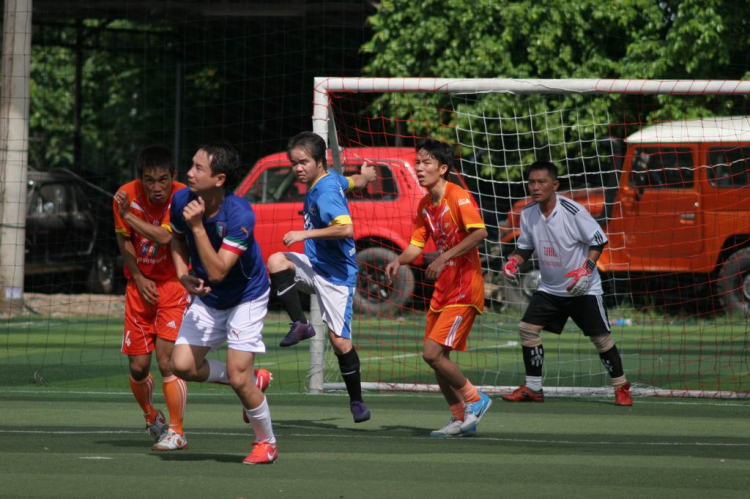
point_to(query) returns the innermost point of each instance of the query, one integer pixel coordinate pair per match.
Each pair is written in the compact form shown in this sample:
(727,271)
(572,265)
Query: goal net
(661,165)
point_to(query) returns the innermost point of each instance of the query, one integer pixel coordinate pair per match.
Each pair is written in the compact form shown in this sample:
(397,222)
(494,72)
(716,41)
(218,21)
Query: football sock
(175,395)
(533,360)
(612,362)
(217,372)
(469,393)
(283,285)
(144,394)
(260,419)
(349,366)
(619,381)
(458,411)
(534,383)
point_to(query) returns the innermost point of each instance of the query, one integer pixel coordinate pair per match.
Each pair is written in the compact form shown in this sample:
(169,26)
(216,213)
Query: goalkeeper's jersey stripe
(562,243)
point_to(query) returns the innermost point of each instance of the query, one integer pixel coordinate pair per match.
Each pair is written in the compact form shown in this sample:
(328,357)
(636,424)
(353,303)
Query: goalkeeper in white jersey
(568,242)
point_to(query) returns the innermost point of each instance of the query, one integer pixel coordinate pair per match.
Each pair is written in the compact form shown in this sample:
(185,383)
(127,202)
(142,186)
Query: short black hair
(154,157)
(224,159)
(312,143)
(547,166)
(441,151)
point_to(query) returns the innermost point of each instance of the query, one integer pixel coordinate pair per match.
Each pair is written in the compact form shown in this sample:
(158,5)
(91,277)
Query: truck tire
(517,296)
(101,278)
(733,285)
(373,294)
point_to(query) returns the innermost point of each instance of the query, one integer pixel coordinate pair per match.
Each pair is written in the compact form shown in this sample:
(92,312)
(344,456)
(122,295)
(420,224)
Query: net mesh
(675,267)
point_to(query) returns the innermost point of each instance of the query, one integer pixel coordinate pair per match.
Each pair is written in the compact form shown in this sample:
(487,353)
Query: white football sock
(534,383)
(260,419)
(217,372)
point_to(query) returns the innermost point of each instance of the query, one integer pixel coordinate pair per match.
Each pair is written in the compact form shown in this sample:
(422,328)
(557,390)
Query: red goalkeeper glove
(510,270)
(581,280)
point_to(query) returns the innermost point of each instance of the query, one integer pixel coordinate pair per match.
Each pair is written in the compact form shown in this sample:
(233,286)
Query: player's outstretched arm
(336,231)
(368,173)
(409,255)
(194,285)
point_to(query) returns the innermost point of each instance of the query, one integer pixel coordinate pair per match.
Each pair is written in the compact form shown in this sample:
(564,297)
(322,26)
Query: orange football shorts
(144,322)
(450,327)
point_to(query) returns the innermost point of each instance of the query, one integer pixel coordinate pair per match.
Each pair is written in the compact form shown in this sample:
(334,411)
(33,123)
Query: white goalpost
(684,328)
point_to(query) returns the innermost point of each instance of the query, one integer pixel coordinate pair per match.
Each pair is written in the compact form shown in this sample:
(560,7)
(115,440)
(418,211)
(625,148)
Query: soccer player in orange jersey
(155,301)
(449,215)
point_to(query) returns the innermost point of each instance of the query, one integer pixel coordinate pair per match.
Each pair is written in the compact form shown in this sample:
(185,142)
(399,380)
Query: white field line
(229,394)
(389,437)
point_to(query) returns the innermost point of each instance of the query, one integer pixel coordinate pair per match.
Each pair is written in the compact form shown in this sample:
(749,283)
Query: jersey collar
(319,179)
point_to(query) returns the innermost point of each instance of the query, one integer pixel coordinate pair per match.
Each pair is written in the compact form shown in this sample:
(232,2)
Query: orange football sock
(469,393)
(175,395)
(144,394)
(458,411)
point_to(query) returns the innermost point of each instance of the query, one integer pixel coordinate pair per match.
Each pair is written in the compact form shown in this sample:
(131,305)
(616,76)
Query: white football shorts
(335,300)
(241,326)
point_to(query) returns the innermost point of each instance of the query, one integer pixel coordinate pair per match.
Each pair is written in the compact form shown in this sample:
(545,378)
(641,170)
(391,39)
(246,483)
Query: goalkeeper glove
(510,270)
(580,283)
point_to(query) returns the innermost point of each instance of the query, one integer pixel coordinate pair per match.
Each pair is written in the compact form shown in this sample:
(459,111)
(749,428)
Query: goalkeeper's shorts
(552,312)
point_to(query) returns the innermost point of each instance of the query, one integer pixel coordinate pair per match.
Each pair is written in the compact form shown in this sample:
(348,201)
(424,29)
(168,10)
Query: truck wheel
(734,282)
(373,294)
(517,296)
(101,278)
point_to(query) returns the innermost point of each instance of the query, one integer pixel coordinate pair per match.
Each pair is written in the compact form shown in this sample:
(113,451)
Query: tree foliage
(626,39)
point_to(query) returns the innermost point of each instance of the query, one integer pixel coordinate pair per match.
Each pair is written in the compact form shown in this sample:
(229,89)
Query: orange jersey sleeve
(421,234)
(465,209)
(121,226)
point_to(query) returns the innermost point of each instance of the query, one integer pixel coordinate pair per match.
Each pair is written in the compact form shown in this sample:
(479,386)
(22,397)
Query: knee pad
(529,334)
(603,342)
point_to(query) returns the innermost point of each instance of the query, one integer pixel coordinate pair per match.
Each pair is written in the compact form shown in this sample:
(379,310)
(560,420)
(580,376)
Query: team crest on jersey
(221,229)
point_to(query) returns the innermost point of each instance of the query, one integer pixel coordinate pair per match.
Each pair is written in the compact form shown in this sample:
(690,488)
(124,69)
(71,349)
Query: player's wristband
(590,264)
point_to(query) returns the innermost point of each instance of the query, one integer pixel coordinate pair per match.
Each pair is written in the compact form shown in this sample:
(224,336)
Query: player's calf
(262,379)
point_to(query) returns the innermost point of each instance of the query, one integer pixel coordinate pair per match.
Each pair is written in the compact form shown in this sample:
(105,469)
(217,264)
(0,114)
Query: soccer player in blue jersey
(214,233)
(328,266)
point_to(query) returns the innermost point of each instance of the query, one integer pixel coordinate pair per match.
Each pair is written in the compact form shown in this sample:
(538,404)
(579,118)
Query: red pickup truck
(383,216)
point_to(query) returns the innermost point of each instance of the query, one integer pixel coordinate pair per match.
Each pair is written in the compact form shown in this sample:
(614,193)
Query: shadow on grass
(187,456)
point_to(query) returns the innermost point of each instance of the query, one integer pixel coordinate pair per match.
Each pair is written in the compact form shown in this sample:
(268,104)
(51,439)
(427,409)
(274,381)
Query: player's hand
(368,172)
(123,205)
(194,285)
(194,211)
(392,269)
(293,236)
(511,269)
(581,280)
(147,289)
(435,268)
